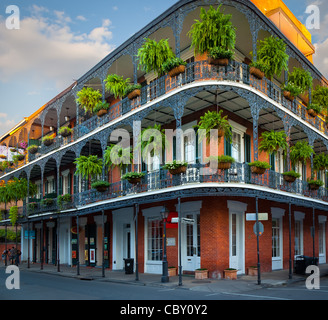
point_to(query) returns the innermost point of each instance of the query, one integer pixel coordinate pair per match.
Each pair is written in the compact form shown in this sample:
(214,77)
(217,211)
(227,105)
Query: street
(36,286)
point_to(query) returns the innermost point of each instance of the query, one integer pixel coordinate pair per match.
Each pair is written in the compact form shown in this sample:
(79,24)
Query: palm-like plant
(88,98)
(213,30)
(152,55)
(272,141)
(115,155)
(116,85)
(301,151)
(88,166)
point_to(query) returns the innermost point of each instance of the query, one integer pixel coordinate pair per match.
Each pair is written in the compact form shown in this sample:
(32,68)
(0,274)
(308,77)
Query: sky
(59,41)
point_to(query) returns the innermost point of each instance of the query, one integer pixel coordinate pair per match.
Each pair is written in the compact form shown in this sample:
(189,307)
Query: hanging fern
(152,55)
(272,141)
(88,98)
(13,215)
(116,85)
(115,155)
(301,78)
(213,30)
(301,151)
(88,166)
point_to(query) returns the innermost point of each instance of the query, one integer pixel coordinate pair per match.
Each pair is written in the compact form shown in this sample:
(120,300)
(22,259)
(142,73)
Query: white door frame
(322,256)
(277,262)
(237,261)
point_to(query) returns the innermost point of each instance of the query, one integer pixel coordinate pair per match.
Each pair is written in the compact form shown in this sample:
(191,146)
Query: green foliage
(260,164)
(316,107)
(213,120)
(11,235)
(100,184)
(47,138)
(116,85)
(175,164)
(220,159)
(32,147)
(272,52)
(173,63)
(301,78)
(220,53)
(315,182)
(88,98)
(65,198)
(301,151)
(320,96)
(88,166)
(132,87)
(103,105)
(13,215)
(47,202)
(115,155)
(213,30)
(292,88)
(133,175)
(272,141)
(320,161)
(152,55)
(292,173)
(65,131)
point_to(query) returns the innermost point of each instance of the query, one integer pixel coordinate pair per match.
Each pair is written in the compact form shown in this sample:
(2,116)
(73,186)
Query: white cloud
(81,18)
(46,49)
(115,8)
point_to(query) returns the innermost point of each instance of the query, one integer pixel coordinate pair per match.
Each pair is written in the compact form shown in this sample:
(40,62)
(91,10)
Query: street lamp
(165,276)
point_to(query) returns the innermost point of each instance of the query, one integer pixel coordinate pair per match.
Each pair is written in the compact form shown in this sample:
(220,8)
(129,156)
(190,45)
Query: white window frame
(299,217)
(241,130)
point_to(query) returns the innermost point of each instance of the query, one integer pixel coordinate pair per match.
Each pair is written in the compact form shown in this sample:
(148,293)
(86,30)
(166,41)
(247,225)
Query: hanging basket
(177,70)
(224,165)
(218,62)
(288,96)
(48,143)
(289,179)
(134,180)
(314,186)
(102,189)
(257,73)
(101,112)
(312,113)
(65,133)
(179,170)
(33,150)
(257,170)
(134,94)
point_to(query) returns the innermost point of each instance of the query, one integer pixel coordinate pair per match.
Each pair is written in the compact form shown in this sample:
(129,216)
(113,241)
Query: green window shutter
(69,184)
(304,172)
(227,147)
(197,156)
(174,151)
(273,162)
(247,141)
(60,185)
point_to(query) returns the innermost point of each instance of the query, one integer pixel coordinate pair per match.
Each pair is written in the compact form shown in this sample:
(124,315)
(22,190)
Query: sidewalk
(242,284)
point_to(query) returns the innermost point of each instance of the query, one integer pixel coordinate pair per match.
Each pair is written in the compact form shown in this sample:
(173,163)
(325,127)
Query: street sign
(261,229)
(183,220)
(252,217)
(29,235)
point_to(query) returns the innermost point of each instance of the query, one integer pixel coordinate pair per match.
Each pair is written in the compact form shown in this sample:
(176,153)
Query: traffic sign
(252,216)
(261,229)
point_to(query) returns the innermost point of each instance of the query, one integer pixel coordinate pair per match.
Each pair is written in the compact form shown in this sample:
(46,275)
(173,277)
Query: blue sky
(58,41)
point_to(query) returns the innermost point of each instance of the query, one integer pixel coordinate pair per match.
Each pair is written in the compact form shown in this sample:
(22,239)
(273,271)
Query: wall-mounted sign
(92,255)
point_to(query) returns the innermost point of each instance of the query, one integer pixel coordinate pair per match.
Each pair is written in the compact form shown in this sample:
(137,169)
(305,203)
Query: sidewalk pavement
(243,283)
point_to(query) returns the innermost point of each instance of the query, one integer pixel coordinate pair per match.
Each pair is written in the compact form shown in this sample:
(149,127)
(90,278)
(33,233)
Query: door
(192,243)
(276,243)
(322,243)
(237,251)
(91,245)
(126,241)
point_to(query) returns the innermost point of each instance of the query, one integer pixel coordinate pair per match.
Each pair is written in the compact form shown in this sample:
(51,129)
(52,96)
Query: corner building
(125,221)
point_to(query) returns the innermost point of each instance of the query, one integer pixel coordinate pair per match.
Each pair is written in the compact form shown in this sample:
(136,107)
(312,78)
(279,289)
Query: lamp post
(165,276)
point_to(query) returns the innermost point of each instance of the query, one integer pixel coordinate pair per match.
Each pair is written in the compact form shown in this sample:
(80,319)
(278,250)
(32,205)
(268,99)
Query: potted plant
(176,167)
(201,273)
(315,184)
(272,141)
(88,98)
(88,166)
(13,150)
(213,30)
(2,156)
(320,96)
(47,202)
(301,151)
(314,109)
(172,271)
(33,149)
(252,271)
(272,52)
(65,131)
(116,155)
(302,79)
(64,200)
(258,69)
(101,108)
(133,91)
(219,56)
(290,91)
(291,176)
(213,120)
(152,55)
(230,274)
(48,140)
(320,161)
(259,167)
(100,186)
(31,207)
(116,85)
(174,66)
(133,177)
(18,157)
(220,162)
(13,215)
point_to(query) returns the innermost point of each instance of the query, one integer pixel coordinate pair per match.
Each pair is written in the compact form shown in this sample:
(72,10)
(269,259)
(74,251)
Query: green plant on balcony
(48,140)
(176,166)
(33,149)
(291,176)
(65,131)
(47,202)
(174,66)
(272,141)
(18,157)
(213,30)
(259,167)
(314,109)
(220,162)
(133,177)
(258,69)
(272,52)
(3,157)
(88,98)
(320,162)
(116,155)
(152,55)
(116,85)
(320,96)
(88,166)
(301,78)
(290,90)
(300,152)
(213,120)
(64,200)
(219,56)
(314,184)
(13,215)
(31,207)
(101,108)
(133,90)
(100,186)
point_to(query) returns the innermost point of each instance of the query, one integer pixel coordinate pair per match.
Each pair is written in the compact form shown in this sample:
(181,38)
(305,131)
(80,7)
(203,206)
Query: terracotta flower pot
(288,96)
(230,274)
(134,94)
(289,179)
(218,62)
(172,272)
(257,73)
(224,165)
(257,170)
(177,70)
(101,112)
(312,113)
(179,170)
(134,180)
(201,274)
(252,271)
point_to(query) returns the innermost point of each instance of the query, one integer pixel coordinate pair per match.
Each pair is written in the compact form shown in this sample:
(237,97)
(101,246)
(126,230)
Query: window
(233,234)
(155,240)
(237,148)
(298,237)
(321,238)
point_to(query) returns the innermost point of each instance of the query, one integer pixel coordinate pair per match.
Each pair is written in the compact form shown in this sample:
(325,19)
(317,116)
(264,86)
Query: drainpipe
(290,241)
